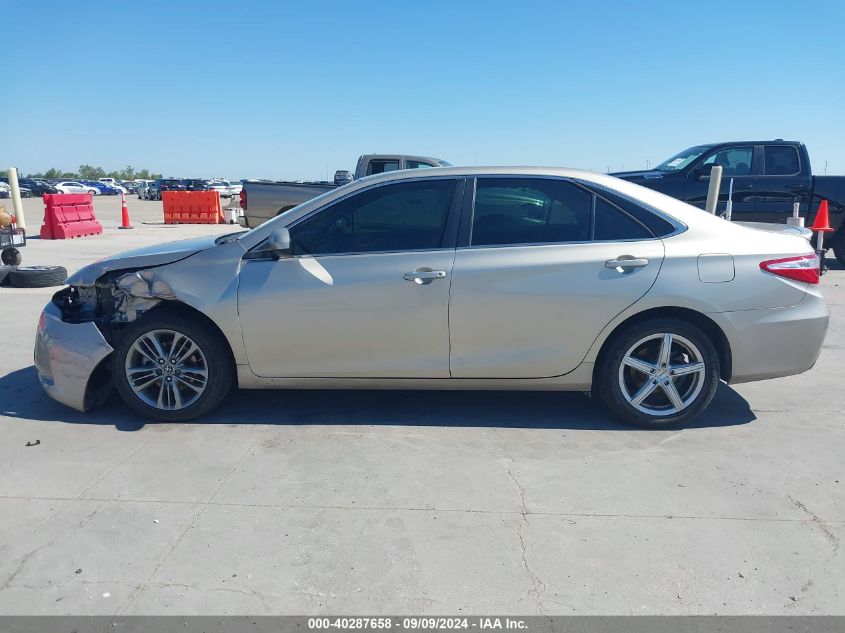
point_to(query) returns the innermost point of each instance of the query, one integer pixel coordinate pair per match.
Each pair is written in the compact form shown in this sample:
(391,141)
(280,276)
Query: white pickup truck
(263,200)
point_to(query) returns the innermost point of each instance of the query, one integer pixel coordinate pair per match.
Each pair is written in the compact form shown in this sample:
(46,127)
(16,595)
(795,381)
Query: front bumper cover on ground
(66,355)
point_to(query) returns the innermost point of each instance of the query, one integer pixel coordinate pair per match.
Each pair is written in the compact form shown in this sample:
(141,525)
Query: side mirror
(702,172)
(277,245)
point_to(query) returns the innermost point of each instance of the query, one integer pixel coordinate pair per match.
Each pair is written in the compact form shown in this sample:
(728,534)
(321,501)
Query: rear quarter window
(658,226)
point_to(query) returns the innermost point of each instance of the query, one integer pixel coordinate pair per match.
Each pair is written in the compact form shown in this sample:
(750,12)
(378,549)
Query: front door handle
(424,276)
(623,263)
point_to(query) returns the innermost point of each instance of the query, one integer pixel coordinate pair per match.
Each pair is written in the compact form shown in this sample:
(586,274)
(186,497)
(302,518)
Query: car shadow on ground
(22,397)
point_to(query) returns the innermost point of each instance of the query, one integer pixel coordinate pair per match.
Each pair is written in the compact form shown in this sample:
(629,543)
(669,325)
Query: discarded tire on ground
(10,257)
(37,276)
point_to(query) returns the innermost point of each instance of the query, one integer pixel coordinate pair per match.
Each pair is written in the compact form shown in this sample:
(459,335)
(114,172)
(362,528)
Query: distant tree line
(88,172)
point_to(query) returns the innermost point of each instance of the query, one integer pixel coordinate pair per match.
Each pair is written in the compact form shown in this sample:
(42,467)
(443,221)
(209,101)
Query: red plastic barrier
(69,215)
(192,207)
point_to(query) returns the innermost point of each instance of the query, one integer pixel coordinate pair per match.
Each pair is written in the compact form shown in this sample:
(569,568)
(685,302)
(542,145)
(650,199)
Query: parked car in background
(6,190)
(142,189)
(103,188)
(343,177)
(544,279)
(164,184)
(261,201)
(30,187)
(769,176)
(38,187)
(114,184)
(235,187)
(223,187)
(195,184)
(74,186)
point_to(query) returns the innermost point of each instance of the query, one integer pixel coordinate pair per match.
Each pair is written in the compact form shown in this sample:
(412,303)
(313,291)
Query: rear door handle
(625,262)
(424,276)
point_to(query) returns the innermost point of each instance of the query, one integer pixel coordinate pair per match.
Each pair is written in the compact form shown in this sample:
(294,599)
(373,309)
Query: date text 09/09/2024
(418,623)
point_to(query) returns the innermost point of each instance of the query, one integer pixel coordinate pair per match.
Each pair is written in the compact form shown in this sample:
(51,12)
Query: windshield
(682,159)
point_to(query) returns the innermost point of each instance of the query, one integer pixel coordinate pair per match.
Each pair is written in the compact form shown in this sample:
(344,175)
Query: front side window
(781,160)
(398,217)
(735,161)
(529,211)
(381,166)
(416,164)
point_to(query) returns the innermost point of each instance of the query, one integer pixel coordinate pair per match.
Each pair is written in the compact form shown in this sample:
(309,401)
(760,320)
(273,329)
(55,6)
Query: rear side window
(529,211)
(381,166)
(513,211)
(781,160)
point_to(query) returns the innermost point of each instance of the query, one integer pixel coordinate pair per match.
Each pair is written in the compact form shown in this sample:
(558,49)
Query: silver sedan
(447,278)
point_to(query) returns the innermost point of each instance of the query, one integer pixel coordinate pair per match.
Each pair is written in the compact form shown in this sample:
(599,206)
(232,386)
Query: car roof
(435,172)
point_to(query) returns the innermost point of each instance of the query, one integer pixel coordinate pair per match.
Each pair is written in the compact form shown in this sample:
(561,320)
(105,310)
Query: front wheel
(172,368)
(660,373)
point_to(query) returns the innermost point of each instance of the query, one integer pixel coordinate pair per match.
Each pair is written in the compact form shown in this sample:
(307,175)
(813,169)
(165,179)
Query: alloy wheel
(166,370)
(662,374)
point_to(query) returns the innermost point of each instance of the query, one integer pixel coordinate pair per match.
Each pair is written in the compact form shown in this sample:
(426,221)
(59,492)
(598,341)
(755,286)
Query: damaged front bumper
(66,356)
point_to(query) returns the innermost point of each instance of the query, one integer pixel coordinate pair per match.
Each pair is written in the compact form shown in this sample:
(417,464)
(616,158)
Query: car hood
(147,257)
(637,175)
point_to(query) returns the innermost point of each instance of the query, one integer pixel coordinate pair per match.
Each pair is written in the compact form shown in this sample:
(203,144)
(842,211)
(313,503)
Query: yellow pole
(16,197)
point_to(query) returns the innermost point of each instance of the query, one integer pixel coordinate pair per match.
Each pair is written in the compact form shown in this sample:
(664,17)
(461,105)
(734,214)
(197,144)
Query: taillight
(243,199)
(802,268)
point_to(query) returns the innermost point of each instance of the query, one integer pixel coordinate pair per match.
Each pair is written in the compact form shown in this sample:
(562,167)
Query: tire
(37,276)
(157,399)
(11,257)
(620,384)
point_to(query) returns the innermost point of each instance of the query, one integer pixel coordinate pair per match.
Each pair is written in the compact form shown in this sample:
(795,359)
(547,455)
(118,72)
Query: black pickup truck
(769,176)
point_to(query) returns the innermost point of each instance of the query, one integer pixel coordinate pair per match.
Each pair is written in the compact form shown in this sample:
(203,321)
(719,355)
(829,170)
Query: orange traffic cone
(822,222)
(124,212)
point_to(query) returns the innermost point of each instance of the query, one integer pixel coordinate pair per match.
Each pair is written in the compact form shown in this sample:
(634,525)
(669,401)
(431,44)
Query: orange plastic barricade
(68,215)
(192,207)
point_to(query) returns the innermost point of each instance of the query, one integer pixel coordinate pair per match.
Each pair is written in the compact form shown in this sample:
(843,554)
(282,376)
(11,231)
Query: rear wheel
(659,373)
(172,368)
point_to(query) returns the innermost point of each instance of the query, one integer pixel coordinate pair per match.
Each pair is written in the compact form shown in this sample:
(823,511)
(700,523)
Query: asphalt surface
(420,502)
